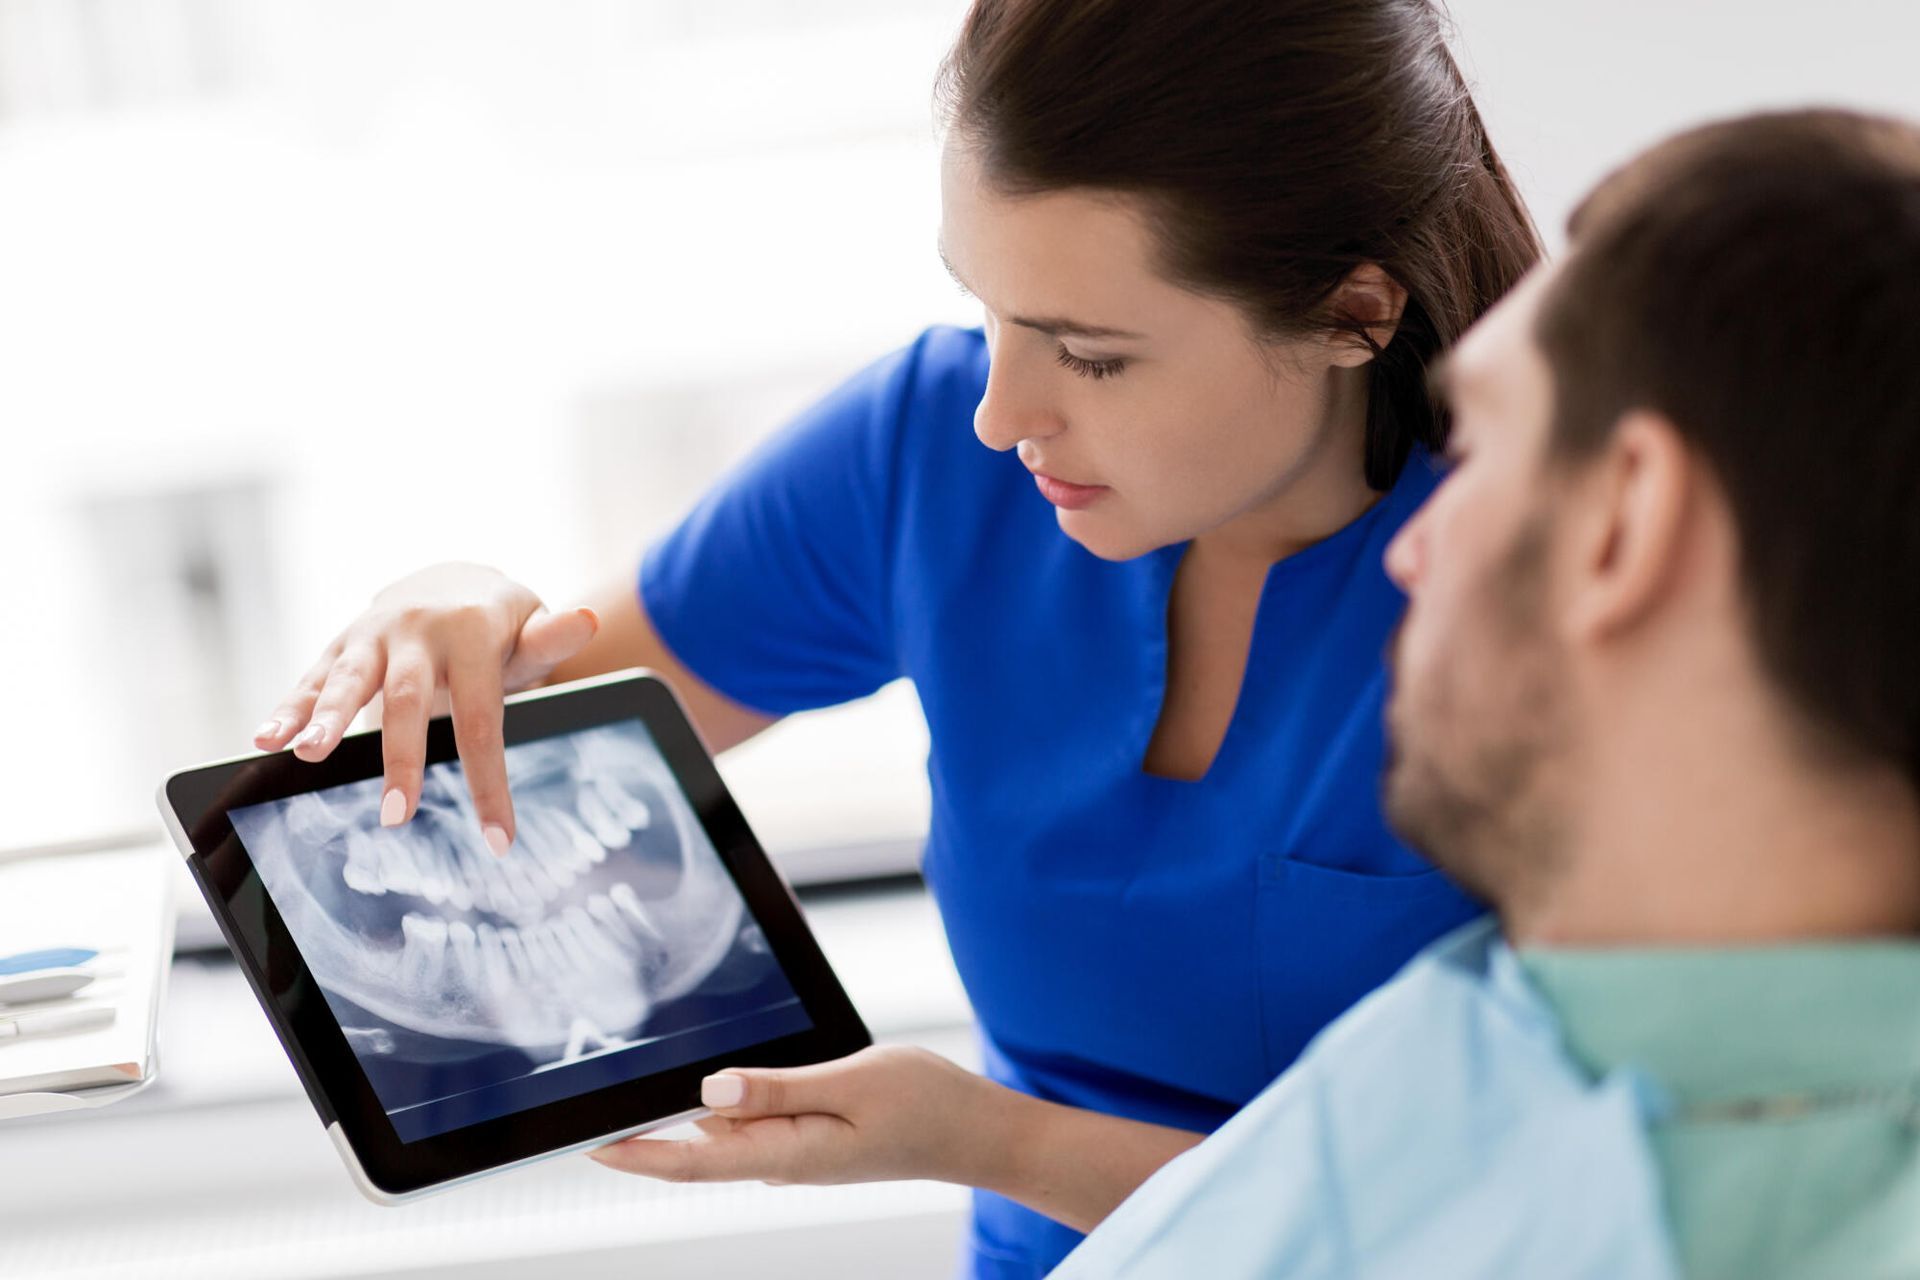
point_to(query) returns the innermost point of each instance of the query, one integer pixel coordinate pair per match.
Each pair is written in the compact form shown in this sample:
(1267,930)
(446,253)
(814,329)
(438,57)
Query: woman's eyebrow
(1055,327)
(1052,326)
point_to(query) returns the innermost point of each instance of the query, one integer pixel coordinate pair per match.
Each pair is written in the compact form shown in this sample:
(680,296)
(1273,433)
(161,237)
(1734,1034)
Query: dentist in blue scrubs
(1126,541)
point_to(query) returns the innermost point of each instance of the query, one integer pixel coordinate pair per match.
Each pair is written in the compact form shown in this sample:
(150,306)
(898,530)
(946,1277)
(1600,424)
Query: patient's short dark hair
(1755,282)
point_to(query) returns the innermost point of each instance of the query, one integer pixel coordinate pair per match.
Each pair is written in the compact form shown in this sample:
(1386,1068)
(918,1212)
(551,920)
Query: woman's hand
(461,629)
(896,1113)
(889,1112)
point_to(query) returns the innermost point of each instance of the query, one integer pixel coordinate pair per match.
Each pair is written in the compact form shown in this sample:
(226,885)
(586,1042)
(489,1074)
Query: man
(1657,700)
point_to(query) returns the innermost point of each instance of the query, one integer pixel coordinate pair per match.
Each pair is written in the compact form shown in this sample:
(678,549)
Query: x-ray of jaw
(610,902)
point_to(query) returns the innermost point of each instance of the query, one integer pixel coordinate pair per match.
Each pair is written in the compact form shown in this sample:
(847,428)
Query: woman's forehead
(1070,260)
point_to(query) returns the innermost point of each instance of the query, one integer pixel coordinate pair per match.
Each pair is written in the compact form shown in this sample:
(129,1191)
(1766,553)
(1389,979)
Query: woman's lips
(1072,497)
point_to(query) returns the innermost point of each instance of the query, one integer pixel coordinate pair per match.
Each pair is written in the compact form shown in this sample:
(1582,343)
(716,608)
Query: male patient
(1657,700)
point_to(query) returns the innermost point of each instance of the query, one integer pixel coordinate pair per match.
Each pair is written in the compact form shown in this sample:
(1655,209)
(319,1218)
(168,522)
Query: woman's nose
(1014,407)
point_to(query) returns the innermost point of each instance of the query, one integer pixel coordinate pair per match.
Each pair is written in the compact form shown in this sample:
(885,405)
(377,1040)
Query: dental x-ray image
(609,943)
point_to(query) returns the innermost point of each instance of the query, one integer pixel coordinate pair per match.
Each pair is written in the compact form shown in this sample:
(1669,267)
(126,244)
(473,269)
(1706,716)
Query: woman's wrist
(1017,1145)
(987,1131)
(1073,1165)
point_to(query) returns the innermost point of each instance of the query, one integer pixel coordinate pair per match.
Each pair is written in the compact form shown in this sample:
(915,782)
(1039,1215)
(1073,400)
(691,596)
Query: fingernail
(722,1091)
(311,736)
(496,839)
(393,808)
(591,616)
(271,729)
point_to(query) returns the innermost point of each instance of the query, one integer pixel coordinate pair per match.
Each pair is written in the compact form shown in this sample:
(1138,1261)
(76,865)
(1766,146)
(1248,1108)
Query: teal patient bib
(1437,1130)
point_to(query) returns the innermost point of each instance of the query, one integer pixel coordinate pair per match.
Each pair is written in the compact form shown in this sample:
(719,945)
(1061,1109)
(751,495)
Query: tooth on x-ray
(631,813)
(642,922)
(608,904)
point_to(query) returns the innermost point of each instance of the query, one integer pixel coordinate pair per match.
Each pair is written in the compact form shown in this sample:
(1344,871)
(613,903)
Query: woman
(1217,243)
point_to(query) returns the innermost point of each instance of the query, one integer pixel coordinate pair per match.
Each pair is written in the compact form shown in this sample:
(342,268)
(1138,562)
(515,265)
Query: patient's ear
(1373,298)
(1645,505)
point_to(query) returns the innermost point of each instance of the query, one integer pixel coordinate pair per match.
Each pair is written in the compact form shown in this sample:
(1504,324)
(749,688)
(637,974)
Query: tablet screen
(610,943)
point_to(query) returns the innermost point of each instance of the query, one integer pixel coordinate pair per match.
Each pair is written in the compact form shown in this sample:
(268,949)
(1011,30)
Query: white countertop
(223,1170)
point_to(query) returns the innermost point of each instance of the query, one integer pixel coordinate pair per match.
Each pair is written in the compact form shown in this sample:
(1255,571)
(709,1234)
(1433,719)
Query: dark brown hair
(1277,144)
(1753,282)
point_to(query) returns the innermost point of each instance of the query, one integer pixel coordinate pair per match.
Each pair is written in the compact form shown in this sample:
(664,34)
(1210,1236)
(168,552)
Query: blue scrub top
(1144,947)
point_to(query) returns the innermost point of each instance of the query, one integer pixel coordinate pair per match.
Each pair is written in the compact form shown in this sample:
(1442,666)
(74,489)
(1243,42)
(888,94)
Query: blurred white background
(300,296)
(296,296)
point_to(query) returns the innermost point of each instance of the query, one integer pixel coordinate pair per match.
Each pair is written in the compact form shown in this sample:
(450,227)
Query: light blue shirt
(1438,1129)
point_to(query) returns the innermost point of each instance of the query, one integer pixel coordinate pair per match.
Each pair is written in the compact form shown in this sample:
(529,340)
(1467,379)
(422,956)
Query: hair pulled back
(1277,145)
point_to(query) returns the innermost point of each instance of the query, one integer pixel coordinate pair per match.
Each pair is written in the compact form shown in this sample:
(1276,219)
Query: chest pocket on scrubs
(1328,936)
(1342,904)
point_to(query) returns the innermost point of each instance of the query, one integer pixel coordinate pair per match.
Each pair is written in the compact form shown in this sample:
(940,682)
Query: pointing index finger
(408,698)
(479,707)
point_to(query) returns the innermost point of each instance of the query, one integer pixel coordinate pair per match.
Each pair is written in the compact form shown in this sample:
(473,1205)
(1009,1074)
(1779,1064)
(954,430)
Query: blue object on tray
(51,958)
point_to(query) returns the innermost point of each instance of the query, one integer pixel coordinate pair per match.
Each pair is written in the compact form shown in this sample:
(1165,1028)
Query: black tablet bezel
(340,1091)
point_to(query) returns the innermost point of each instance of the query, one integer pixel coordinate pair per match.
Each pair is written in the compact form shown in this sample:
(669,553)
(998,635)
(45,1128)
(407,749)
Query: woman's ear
(1373,299)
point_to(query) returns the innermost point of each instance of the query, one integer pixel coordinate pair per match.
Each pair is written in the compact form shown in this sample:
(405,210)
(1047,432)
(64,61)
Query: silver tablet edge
(390,1199)
(171,820)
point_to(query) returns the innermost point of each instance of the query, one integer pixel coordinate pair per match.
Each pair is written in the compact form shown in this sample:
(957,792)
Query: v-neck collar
(1156,571)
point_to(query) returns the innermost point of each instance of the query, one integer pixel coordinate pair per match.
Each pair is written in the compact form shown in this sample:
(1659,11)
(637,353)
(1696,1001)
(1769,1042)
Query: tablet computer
(452,1014)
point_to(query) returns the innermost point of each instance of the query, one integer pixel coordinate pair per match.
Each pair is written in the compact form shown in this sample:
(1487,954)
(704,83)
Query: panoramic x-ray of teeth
(610,907)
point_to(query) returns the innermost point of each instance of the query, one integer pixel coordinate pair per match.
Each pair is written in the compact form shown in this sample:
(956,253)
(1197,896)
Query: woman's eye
(1088,368)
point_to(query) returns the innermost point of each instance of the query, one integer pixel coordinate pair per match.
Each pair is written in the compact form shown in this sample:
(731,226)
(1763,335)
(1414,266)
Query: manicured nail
(271,729)
(393,808)
(496,839)
(311,736)
(722,1091)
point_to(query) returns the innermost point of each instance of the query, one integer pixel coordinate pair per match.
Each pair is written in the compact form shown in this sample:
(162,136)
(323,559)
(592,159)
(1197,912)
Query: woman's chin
(1105,536)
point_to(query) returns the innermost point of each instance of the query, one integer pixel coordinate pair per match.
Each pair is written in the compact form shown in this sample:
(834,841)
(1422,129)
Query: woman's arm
(1073,1165)
(899,1113)
(627,639)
